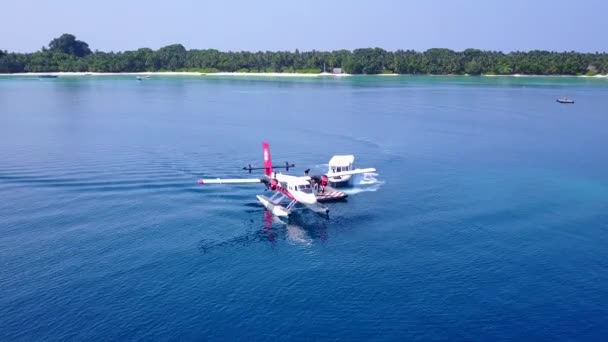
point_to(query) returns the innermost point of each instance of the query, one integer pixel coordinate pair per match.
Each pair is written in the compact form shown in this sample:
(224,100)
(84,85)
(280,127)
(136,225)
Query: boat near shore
(565,100)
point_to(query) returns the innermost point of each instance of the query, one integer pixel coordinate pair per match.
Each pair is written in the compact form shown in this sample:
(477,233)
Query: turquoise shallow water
(489,220)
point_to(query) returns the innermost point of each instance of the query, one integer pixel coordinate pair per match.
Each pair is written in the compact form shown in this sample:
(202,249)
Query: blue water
(488,219)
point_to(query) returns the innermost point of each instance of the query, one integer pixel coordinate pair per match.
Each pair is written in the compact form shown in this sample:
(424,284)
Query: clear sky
(113,25)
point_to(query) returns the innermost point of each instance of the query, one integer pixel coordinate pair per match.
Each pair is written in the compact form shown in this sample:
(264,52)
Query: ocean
(487,218)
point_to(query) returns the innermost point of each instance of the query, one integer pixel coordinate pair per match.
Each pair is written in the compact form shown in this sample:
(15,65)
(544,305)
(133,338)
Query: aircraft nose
(310,199)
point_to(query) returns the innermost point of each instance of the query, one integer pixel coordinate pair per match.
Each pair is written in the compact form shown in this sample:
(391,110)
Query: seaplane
(308,190)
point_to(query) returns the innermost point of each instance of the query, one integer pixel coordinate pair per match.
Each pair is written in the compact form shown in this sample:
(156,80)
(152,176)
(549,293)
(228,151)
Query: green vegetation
(68,44)
(201,70)
(66,53)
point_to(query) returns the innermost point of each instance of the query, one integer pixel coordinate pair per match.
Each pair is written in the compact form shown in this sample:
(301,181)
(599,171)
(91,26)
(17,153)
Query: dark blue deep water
(488,221)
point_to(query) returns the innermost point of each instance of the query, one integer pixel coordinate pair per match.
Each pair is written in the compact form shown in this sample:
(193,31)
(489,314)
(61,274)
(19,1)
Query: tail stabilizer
(267,159)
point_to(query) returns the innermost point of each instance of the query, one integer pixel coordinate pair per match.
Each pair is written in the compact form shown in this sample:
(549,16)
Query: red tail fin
(267,159)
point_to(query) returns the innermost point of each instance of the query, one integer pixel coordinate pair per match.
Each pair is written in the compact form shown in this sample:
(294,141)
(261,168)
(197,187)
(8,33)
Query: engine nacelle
(273,184)
(324,180)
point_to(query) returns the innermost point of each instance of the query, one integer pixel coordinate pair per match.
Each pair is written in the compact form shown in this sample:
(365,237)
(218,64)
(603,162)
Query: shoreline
(175,73)
(523,75)
(257,74)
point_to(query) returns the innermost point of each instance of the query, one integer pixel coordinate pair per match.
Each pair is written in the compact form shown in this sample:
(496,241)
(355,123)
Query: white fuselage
(299,188)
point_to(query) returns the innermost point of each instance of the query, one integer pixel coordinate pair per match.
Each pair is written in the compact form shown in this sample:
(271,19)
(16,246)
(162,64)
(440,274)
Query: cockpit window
(305,188)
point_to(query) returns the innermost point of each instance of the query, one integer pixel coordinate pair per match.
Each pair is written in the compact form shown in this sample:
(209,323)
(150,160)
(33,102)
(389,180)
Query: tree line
(66,53)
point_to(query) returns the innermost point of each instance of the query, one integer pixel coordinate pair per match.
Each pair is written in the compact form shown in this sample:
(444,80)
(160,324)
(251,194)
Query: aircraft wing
(230,181)
(350,172)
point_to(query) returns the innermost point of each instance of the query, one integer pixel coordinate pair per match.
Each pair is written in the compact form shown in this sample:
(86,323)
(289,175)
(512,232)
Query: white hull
(340,182)
(275,208)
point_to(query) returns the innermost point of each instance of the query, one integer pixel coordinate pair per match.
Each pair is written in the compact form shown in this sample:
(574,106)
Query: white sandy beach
(273,74)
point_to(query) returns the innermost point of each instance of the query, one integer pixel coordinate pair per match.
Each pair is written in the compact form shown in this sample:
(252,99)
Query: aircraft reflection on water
(298,230)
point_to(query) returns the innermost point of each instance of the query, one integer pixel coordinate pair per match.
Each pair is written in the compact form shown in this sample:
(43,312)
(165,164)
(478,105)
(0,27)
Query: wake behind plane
(307,190)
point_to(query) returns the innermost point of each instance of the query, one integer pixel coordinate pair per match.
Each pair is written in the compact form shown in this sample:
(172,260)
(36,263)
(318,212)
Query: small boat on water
(47,76)
(139,78)
(340,163)
(565,100)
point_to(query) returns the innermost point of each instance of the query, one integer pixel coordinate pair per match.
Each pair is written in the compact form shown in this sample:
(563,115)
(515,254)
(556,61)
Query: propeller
(271,184)
(266,183)
(287,166)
